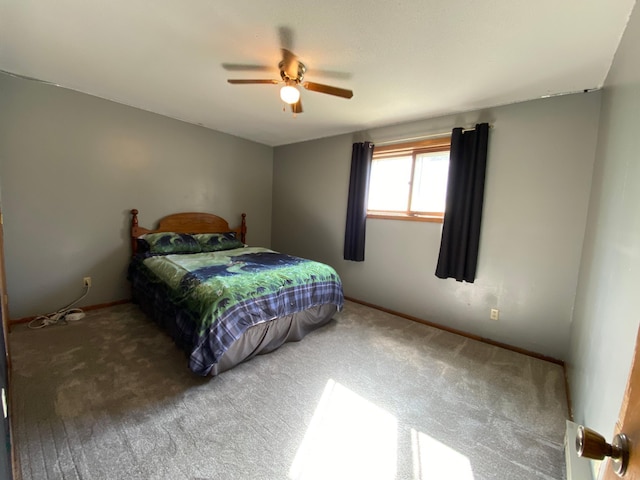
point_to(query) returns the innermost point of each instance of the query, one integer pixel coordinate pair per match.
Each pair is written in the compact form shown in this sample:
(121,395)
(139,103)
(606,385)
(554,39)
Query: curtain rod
(423,137)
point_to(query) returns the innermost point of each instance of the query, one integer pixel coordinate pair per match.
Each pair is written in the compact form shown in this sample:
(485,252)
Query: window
(409,181)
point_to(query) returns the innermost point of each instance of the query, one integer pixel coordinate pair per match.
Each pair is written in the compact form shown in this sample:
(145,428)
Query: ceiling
(404,59)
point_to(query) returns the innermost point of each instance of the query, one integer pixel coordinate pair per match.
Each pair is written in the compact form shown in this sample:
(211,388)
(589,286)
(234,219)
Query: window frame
(434,145)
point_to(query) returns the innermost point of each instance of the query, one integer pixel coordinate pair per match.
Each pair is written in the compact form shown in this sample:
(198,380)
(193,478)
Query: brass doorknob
(591,444)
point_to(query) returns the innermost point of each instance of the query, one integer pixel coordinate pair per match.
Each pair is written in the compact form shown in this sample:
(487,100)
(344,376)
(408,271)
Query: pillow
(214,242)
(168,242)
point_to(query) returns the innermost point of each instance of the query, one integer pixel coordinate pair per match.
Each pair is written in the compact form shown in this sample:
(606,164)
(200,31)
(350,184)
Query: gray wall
(73,165)
(606,317)
(538,180)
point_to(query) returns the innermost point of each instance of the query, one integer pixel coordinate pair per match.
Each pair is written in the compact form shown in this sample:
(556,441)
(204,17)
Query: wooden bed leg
(243,229)
(134,225)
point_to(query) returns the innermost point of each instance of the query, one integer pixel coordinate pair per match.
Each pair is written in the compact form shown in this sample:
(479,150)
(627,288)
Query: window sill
(406,218)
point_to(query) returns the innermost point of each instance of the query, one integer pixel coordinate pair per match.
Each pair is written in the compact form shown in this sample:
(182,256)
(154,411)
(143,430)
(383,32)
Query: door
(4,304)
(5,372)
(629,420)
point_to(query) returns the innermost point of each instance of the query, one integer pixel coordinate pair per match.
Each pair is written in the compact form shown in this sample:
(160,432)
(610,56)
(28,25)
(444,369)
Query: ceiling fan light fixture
(289,94)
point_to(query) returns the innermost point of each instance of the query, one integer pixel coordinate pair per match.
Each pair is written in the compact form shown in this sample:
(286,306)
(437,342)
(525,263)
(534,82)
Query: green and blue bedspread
(224,293)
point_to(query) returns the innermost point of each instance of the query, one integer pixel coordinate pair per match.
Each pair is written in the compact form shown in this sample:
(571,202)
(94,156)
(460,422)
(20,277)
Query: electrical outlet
(495,314)
(86,281)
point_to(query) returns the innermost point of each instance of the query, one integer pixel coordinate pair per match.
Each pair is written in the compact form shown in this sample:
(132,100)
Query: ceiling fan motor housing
(287,79)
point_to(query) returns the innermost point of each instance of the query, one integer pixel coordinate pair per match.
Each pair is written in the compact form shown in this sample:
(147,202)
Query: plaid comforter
(221,294)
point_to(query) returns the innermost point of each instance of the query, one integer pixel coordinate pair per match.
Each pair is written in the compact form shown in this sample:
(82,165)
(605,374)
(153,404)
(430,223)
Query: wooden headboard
(189,222)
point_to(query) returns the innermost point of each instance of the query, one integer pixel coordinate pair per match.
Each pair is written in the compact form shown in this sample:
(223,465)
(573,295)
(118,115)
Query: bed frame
(188,222)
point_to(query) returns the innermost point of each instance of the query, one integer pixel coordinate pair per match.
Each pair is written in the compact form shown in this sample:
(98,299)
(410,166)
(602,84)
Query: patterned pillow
(214,242)
(168,242)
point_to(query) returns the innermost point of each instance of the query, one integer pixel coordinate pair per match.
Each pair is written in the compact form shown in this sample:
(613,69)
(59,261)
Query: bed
(222,301)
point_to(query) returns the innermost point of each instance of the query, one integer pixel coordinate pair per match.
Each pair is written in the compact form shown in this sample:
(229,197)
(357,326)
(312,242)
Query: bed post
(134,226)
(243,229)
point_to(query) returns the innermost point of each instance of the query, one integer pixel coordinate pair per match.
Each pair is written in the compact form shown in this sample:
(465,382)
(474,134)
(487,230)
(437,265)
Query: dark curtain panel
(361,156)
(463,213)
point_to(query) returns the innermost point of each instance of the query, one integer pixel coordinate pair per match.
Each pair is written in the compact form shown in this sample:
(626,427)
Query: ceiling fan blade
(289,63)
(248,82)
(318,87)
(286,37)
(297,107)
(239,67)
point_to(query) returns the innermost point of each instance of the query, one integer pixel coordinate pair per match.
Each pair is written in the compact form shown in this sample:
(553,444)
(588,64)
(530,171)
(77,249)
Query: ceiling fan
(292,73)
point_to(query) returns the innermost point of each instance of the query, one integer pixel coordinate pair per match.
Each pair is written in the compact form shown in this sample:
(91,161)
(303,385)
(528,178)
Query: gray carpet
(369,396)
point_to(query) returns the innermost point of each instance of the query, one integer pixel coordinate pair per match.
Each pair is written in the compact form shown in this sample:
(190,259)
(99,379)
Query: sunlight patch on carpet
(434,460)
(351,437)
(348,437)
